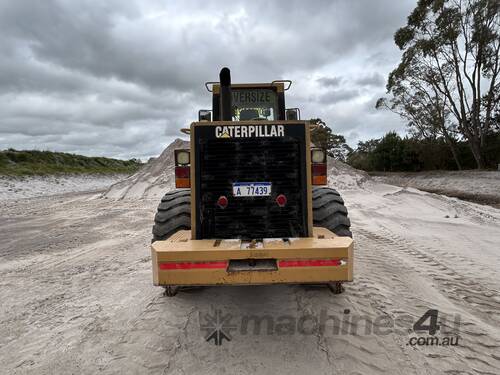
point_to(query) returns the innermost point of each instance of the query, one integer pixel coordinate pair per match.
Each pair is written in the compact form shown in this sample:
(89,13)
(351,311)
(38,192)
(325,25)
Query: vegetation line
(29,163)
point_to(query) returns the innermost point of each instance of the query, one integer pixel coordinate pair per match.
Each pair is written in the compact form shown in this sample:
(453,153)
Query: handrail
(210,83)
(283,81)
(207,84)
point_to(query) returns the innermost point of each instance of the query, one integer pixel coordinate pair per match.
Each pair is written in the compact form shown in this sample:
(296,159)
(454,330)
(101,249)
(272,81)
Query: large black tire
(330,212)
(174,213)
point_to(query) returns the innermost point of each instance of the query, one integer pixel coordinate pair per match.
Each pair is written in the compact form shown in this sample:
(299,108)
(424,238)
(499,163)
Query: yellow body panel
(323,245)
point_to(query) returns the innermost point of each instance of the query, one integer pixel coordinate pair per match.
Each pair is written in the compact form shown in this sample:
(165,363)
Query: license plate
(251,189)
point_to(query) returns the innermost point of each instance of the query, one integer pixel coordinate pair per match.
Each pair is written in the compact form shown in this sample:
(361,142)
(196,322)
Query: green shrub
(21,163)
(391,153)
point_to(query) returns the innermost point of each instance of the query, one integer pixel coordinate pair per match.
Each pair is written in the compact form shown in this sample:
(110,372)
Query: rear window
(254,104)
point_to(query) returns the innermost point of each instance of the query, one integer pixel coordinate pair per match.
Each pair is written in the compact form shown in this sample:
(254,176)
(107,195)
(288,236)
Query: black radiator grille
(276,160)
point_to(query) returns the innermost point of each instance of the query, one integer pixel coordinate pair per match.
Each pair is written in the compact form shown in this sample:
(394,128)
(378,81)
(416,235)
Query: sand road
(77,295)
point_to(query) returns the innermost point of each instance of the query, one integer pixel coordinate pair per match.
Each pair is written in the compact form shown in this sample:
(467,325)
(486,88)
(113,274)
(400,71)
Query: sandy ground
(12,188)
(77,296)
(476,186)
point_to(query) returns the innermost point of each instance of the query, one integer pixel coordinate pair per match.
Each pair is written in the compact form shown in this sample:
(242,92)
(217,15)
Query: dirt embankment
(475,186)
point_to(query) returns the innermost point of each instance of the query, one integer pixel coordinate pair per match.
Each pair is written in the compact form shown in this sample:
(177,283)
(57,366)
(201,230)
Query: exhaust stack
(226,98)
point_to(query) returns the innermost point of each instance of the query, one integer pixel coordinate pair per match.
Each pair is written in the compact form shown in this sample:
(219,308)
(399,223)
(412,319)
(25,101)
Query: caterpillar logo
(249,131)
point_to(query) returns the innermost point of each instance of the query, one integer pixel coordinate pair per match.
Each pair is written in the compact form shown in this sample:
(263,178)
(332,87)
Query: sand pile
(157,177)
(151,181)
(344,177)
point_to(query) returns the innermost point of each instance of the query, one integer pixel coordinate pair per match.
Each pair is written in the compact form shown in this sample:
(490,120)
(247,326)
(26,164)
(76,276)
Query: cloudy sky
(120,78)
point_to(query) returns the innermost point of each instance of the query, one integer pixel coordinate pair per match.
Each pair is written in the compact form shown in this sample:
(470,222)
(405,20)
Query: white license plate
(251,189)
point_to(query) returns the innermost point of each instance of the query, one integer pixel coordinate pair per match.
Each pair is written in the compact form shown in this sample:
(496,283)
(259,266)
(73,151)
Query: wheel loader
(251,204)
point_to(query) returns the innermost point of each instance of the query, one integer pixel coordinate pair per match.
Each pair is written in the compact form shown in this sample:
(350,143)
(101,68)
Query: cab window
(254,104)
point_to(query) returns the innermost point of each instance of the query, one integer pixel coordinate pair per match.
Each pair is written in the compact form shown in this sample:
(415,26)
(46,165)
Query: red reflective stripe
(191,265)
(309,263)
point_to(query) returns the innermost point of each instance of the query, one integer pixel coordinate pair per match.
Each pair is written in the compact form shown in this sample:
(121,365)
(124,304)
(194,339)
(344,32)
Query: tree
(334,144)
(450,67)
(388,153)
(427,116)
(362,157)
(391,153)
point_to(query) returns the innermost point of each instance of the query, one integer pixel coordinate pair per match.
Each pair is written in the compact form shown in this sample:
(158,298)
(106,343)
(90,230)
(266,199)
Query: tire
(330,212)
(336,287)
(171,290)
(173,214)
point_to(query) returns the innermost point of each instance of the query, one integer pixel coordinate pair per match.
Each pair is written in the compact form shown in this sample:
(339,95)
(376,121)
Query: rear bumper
(320,259)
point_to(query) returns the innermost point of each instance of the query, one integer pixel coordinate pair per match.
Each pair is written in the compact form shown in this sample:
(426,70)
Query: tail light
(281,200)
(222,202)
(318,167)
(182,169)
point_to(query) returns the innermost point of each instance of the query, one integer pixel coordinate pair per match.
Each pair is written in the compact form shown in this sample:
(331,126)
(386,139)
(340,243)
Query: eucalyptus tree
(447,81)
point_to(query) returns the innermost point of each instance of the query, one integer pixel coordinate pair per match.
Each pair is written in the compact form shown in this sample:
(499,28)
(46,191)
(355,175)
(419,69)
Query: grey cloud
(329,81)
(336,96)
(375,79)
(105,74)
(117,41)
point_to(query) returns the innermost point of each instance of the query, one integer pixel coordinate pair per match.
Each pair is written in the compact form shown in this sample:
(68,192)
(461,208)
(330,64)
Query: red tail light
(319,169)
(222,202)
(182,172)
(281,200)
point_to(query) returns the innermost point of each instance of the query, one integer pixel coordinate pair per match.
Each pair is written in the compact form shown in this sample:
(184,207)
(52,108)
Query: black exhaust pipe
(226,99)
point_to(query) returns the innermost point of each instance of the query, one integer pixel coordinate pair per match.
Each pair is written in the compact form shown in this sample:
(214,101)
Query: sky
(120,78)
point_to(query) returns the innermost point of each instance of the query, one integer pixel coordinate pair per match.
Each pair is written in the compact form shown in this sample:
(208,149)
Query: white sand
(12,188)
(467,184)
(75,282)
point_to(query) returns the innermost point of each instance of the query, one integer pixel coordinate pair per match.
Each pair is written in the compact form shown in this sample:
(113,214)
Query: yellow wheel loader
(251,205)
